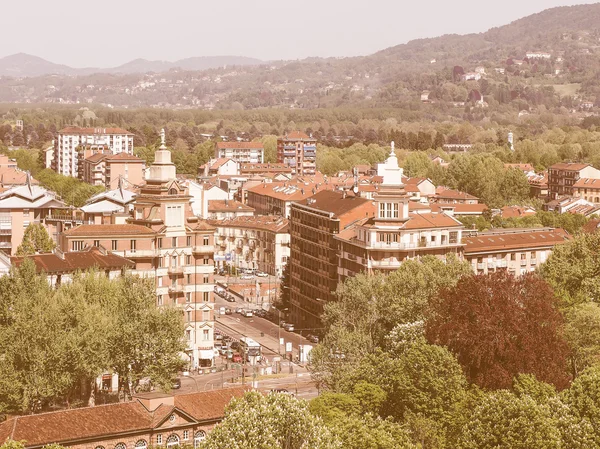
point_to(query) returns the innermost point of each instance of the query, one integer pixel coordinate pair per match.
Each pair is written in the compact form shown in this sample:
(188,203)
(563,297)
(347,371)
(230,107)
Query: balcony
(409,246)
(206,249)
(480,266)
(523,263)
(5,231)
(135,253)
(386,263)
(175,270)
(177,288)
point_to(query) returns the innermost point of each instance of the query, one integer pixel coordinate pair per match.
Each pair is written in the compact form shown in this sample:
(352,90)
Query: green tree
(417,164)
(505,421)
(35,240)
(275,420)
(582,332)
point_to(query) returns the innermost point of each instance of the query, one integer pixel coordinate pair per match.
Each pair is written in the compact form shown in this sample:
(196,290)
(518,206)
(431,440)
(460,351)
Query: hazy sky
(111,32)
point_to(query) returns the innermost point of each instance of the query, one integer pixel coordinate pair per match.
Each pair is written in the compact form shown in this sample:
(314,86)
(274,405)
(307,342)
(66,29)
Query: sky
(109,33)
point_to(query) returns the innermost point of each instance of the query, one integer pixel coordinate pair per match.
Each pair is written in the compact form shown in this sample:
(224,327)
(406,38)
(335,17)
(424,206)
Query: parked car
(312,338)
(228,311)
(176,383)
(262,274)
(236,358)
(246,277)
(239,310)
(235,345)
(260,312)
(289,327)
(218,336)
(247,313)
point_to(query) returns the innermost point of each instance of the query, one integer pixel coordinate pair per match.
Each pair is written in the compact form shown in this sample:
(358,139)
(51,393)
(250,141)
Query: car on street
(260,313)
(228,311)
(262,274)
(312,338)
(239,310)
(246,277)
(176,383)
(289,327)
(236,358)
(247,313)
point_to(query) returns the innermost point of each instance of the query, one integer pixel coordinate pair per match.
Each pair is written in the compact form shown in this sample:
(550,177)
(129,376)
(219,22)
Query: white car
(246,277)
(261,274)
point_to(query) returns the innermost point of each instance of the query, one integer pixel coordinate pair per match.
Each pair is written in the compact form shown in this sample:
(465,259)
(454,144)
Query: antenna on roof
(29,182)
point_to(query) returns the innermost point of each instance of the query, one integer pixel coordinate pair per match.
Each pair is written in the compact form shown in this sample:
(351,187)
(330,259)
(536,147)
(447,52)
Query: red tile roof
(569,166)
(445,192)
(77,260)
(123,157)
(106,421)
(334,202)
(430,221)
(108,230)
(95,158)
(273,223)
(517,211)
(587,183)
(460,208)
(239,145)
(228,206)
(513,241)
(289,190)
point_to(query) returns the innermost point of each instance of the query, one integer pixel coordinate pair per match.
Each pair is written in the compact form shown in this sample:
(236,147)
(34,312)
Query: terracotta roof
(413,181)
(227,206)
(591,226)
(105,421)
(516,240)
(10,176)
(587,183)
(569,166)
(517,211)
(273,223)
(266,167)
(445,192)
(95,158)
(413,205)
(124,157)
(234,145)
(107,230)
(289,190)
(297,135)
(523,167)
(203,225)
(78,260)
(98,130)
(431,220)
(334,202)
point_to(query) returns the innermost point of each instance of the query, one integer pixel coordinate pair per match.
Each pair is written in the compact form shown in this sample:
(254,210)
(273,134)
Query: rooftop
(92,131)
(97,230)
(335,202)
(297,135)
(569,166)
(273,223)
(228,206)
(512,241)
(239,145)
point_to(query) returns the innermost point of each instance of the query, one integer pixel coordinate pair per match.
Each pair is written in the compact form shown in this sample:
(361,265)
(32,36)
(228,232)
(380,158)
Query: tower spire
(392,153)
(162,140)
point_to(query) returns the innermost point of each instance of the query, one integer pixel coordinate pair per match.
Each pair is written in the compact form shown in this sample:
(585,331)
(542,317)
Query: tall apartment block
(72,142)
(241,152)
(299,152)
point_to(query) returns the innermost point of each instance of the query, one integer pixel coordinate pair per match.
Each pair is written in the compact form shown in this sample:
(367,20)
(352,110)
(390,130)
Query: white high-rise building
(73,143)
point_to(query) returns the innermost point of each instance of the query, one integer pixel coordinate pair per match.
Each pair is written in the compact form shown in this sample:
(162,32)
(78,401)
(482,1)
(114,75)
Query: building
(169,243)
(314,224)
(563,176)
(538,55)
(219,167)
(150,420)
(517,250)
(394,235)
(60,267)
(261,243)
(71,141)
(104,206)
(23,205)
(241,152)
(264,169)
(105,169)
(202,194)
(538,185)
(444,195)
(588,189)
(298,151)
(224,209)
(276,198)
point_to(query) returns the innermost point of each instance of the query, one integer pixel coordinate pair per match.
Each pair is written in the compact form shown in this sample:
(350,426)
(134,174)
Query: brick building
(150,420)
(102,169)
(562,178)
(314,224)
(298,151)
(241,152)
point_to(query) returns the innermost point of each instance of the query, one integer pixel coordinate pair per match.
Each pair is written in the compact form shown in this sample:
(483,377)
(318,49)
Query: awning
(206,354)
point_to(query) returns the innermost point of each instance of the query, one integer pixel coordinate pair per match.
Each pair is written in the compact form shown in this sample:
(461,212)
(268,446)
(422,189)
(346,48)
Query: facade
(169,243)
(150,420)
(562,178)
(276,198)
(222,167)
(261,243)
(202,194)
(104,206)
(224,209)
(241,152)
(518,251)
(264,169)
(394,235)
(70,141)
(588,189)
(299,152)
(28,204)
(105,170)
(314,224)
(444,195)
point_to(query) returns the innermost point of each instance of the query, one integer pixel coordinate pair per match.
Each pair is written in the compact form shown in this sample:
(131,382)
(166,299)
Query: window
(523,256)
(159,300)
(199,438)
(96,243)
(141,444)
(205,335)
(77,245)
(205,261)
(159,439)
(189,278)
(120,446)
(188,242)
(159,243)
(188,297)
(188,260)
(513,256)
(186,434)
(173,439)
(133,242)
(206,240)
(206,279)
(188,335)
(205,315)
(160,281)
(114,245)
(189,315)
(205,296)
(174,242)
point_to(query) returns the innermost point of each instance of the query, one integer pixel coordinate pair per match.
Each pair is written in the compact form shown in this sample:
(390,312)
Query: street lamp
(194,379)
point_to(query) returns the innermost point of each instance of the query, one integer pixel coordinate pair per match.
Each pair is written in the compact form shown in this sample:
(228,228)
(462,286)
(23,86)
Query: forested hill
(395,77)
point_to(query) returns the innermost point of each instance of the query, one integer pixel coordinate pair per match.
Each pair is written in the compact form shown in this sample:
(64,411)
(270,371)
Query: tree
(499,326)
(35,240)
(417,164)
(505,421)
(275,420)
(582,331)
(573,270)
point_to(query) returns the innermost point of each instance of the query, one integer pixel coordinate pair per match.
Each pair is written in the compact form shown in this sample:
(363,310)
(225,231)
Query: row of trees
(56,342)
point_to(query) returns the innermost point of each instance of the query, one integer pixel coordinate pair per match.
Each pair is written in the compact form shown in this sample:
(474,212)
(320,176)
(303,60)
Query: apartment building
(159,420)
(104,206)
(299,152)
(261,243)
(105,169)
(241,152)
(394,235)
(562,178)
(169,243)
(223,209)
(588,189)
(516,250)
(314,224)
(72,141)
(276,198)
